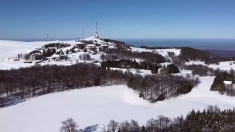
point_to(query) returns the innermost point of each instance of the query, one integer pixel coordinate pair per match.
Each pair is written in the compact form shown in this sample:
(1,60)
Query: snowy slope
(225,65)
(134,71)
(98,105)
(12,48)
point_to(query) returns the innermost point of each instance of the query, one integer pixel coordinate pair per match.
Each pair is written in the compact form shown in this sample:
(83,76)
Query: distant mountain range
(221,53)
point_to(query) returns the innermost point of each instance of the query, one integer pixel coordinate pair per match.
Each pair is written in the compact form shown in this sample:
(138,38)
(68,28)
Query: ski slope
(98,105)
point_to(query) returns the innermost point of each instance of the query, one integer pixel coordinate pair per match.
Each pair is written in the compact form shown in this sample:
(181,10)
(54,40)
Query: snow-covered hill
(97,105)
(14,48)
(10,49)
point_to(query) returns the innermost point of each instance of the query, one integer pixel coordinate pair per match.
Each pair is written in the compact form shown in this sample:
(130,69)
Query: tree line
(129,63)
(21,83)
(201,70)
(57,45)
(199,55)
(146,56)
(211,119)
(17,84)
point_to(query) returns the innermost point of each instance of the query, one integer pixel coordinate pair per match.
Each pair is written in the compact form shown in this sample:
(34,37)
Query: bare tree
(112,126)
(134,126)
(69,126)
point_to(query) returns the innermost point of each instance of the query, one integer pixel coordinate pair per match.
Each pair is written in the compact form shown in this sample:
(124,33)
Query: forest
(18,84)
(146,56)
(33,81)
(199,55)
(201,70)
(126,63)
(211,119)
(160,87)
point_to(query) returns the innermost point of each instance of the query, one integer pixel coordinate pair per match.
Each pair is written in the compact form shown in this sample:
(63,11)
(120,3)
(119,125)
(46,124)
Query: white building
(12,59)
(227,82)
(90,46)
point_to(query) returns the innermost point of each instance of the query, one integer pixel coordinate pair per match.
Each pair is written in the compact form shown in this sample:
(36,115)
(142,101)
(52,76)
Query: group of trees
(162,86)
(218,83)
(146,56)
(152,48)
(107,57)
(199,55)
(85,56)
(201,70)
(196,55)
(57,45)
(128,63)
(211,119)
(115,42)
(172,69)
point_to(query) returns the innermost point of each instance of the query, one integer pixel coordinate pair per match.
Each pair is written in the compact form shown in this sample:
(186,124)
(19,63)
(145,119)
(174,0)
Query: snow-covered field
(97,105)
(134,71)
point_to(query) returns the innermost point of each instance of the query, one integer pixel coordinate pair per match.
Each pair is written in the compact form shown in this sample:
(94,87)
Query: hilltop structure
(96,31)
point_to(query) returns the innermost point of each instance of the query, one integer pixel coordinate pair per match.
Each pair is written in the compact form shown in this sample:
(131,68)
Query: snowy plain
(98,105)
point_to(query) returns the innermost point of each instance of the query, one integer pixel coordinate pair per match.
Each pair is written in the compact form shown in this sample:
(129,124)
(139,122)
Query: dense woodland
(211,119)
(218,83)
(146,56)
(115,42)
(125,63)
(199,55)
(195,54)
(200,70)
(38,80)
(17,84)
(161,87)
(57,45)
(148,47)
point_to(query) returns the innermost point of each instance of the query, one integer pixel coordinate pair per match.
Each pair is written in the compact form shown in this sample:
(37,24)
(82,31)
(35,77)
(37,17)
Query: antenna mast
(96,31)
(83,32)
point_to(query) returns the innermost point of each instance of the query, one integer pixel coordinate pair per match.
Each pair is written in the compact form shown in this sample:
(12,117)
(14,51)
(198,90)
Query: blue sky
(30,19)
